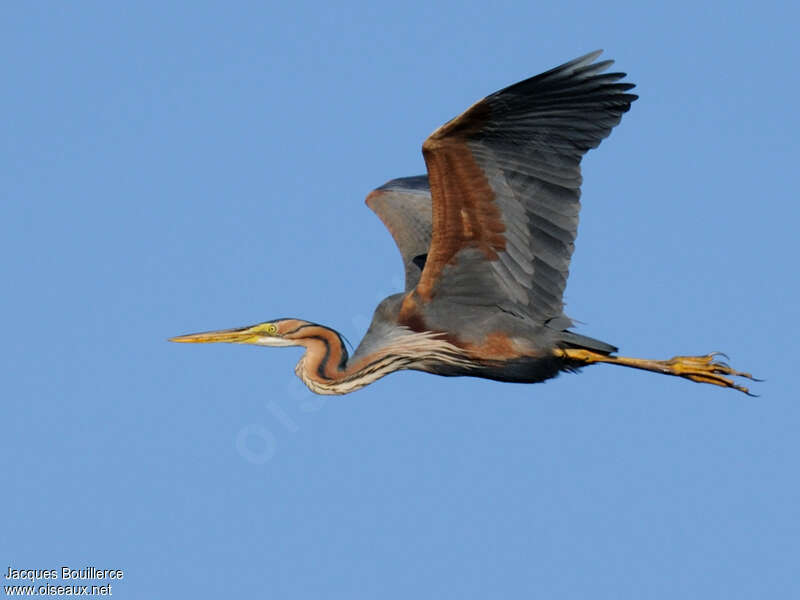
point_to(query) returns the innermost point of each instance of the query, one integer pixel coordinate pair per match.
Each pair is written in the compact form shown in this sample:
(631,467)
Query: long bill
(241,335)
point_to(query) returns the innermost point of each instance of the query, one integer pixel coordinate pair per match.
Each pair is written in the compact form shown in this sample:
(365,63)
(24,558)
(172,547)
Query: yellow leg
(702,369)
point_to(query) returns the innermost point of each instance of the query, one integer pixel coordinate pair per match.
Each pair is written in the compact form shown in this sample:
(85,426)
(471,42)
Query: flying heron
(486,239)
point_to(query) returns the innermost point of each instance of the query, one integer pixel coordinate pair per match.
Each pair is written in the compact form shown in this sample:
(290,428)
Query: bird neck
(326,367)
(325,359)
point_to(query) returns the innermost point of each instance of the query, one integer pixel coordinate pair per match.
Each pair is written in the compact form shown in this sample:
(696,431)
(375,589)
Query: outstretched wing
(505,181)
(404,206)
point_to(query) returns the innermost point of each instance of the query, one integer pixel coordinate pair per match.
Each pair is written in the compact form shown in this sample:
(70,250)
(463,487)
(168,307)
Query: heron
(486,238)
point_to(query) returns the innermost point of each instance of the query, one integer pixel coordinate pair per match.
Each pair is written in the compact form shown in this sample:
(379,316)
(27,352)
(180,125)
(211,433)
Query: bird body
(486,239)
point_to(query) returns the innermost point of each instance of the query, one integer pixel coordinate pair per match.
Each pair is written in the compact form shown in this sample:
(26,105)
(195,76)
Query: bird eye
(271,328)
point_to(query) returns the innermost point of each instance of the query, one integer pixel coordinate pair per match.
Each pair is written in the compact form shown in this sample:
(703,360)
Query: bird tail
(576,340)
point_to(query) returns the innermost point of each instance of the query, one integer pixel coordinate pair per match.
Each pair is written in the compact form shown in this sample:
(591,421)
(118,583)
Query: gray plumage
(529,149)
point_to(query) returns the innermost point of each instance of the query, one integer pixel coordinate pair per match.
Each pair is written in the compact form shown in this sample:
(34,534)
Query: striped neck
(326,356)
(326,369)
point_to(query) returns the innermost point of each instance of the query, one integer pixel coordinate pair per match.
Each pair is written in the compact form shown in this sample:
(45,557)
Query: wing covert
(404,207)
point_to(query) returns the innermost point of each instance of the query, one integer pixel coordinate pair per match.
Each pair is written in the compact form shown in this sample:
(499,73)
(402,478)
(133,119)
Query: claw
(705,369)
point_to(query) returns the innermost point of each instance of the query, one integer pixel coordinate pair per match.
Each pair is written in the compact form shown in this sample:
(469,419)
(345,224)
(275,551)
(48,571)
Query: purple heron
(486,239)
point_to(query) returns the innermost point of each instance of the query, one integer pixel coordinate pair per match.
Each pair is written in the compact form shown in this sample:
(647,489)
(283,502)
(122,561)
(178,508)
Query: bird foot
(702,369)
(706,369)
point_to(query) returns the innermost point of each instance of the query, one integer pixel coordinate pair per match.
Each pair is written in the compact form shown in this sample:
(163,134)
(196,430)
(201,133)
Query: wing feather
(404,207)
(505,186)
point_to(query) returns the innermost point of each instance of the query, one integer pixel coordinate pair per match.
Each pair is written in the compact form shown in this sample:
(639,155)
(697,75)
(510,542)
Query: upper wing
(505,181)
(404,206)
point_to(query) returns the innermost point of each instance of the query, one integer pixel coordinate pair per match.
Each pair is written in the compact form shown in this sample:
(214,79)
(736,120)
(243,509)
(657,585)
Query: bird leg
(702,369)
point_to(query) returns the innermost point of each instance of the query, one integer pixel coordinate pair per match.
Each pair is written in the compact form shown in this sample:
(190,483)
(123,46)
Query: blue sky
(176,168)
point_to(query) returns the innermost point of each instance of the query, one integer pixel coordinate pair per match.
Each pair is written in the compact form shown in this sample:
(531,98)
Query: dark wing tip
(578,75)
(579,62)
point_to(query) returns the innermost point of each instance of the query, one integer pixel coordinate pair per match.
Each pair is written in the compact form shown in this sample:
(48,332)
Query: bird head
(282,332)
